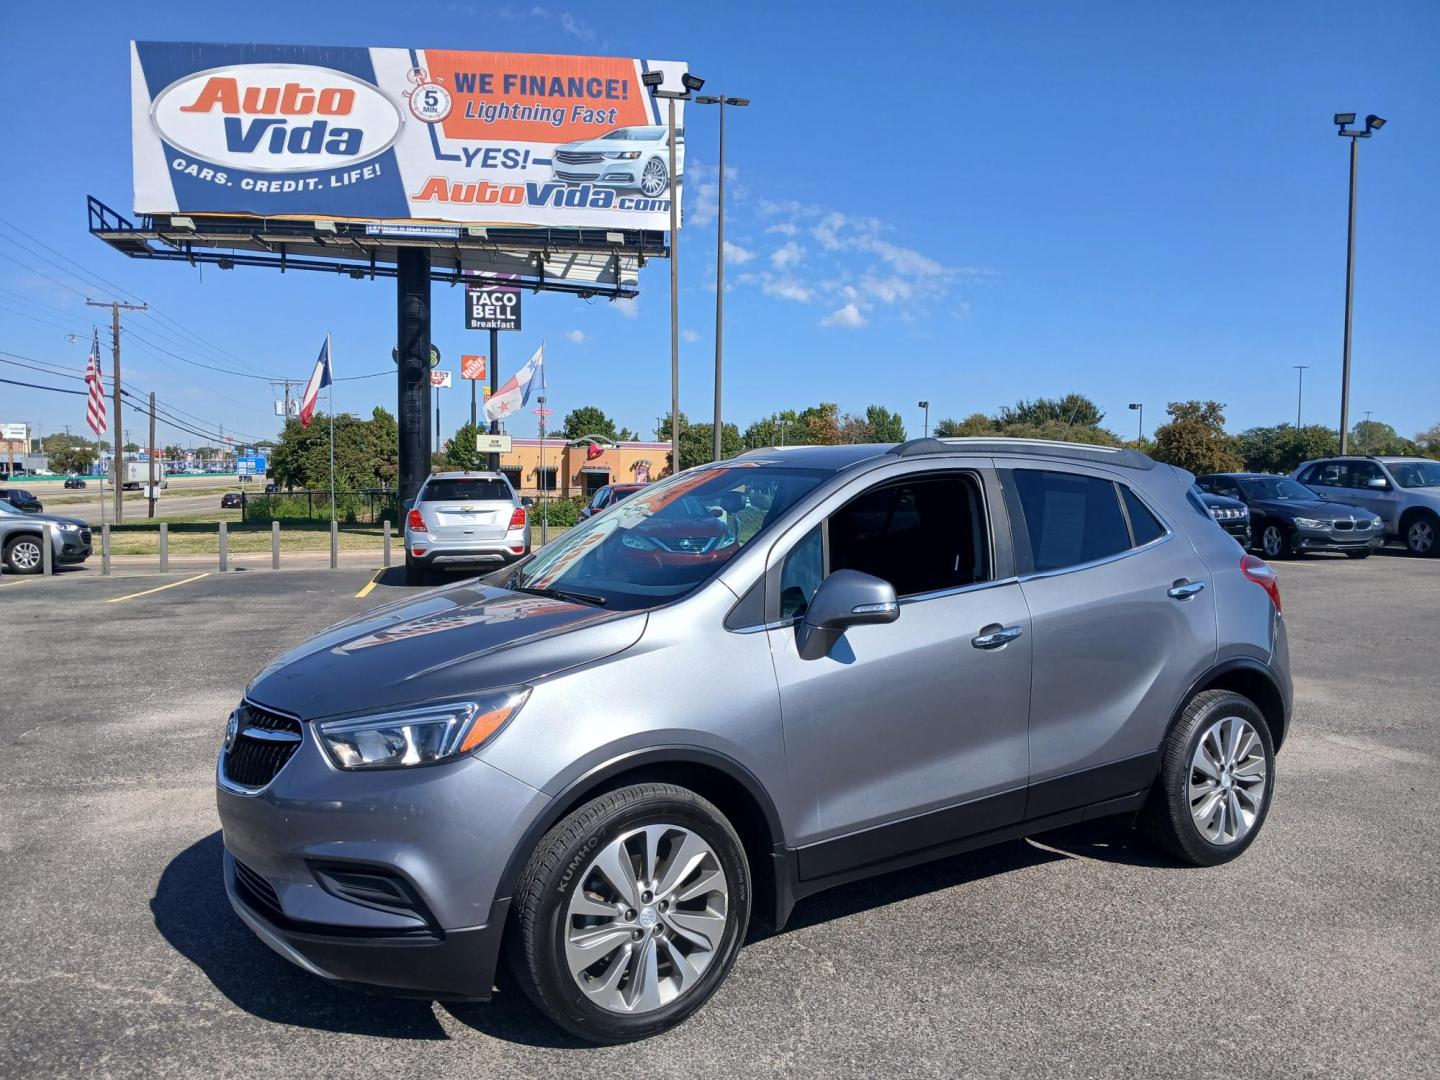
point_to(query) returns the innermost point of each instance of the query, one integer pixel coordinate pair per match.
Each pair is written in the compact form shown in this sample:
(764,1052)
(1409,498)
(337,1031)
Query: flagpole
(330,363)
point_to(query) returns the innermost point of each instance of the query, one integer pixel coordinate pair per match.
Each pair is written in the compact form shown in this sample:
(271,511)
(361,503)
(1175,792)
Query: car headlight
(623,155)
(1311,523)
(639,543)
(65,526)
(420,736)
(1377,523)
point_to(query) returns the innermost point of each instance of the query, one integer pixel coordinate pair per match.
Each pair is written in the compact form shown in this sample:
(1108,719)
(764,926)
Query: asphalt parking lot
(1074,954)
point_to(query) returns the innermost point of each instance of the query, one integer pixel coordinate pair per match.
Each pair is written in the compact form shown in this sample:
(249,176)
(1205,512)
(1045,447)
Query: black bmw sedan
(1287,518)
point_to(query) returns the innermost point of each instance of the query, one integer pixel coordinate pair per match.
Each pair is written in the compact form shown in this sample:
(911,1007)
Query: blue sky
(964,202)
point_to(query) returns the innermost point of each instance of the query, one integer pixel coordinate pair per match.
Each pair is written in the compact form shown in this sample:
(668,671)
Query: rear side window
(1070,519)
(477,489)
(1143,523)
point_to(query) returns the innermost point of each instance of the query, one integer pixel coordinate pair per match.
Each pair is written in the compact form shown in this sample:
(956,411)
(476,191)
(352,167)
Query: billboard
(475,138)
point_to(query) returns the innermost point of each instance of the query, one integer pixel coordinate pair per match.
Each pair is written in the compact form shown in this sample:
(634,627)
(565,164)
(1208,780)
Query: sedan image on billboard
(632,157)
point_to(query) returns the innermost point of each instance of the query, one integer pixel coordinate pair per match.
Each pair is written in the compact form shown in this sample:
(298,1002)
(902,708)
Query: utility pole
(118,442)
(1300,391)
(1373,124)
(151,457)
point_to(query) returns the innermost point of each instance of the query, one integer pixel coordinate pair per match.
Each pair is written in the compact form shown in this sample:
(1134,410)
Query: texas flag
(319,379)
(514,395)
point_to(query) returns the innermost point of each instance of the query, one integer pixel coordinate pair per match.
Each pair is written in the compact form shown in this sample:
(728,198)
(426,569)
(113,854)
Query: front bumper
(1330,540)
(456,965)
(446,831)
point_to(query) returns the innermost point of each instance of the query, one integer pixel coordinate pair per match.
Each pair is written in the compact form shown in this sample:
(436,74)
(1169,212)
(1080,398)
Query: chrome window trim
(1040,574)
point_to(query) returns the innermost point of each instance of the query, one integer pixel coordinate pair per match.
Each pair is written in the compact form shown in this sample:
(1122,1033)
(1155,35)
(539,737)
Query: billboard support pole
(412,293)
(494,387)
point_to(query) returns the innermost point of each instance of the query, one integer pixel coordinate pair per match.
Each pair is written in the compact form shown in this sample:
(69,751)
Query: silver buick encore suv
(747,683)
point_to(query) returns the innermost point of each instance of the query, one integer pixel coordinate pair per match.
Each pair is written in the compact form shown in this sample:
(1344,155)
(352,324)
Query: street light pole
(1373,124)
(926,406)
(1139,407)
(654,80)
(1300,392)
(722,101)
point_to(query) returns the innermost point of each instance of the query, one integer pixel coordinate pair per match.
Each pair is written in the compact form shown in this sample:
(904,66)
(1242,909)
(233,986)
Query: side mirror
(409,504)
(527,501)
(1379,483)
(844,599)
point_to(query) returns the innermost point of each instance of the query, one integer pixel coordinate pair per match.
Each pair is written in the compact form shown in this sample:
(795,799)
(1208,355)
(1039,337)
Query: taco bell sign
(492,307)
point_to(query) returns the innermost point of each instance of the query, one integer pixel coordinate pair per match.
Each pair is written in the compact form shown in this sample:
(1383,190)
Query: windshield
(476,489)
(6,508)
(664,542)
(1415,474)
(1281,488)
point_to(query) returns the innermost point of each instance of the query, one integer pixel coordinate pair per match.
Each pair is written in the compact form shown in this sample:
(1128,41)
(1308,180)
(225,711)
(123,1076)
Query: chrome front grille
(570,157)
(264,742)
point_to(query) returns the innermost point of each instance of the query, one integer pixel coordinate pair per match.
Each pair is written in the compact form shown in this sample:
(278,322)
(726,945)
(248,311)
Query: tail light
(517,519)
(415,522)
(1259,571)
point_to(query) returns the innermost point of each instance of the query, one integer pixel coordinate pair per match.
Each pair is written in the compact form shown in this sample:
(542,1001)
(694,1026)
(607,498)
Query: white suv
(464,519)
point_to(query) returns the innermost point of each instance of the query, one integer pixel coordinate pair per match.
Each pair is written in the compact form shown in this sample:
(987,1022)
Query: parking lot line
(159,588)
(374,580)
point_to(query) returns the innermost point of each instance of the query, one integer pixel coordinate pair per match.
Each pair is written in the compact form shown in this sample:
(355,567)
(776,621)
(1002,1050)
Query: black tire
(1358,554)
(23,555)
(416,573)
(1277,536)
(1167,817)
(1421,534)
(536,947)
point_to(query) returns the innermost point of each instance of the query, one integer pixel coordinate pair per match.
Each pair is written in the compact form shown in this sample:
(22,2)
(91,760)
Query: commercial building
(581,470)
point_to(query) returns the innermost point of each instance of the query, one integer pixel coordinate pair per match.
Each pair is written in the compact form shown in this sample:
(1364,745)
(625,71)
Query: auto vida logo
(276,118)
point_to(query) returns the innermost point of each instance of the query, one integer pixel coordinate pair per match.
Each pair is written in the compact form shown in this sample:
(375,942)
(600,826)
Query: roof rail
(1123,457)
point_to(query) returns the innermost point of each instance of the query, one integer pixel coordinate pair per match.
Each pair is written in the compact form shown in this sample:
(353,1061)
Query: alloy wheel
(1420,537)
(1228,778)
(1271,541)
(647,919)
(25,555)
(655,178)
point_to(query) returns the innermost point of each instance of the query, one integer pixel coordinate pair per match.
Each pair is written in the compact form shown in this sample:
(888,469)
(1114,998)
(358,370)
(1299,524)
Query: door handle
(1184,590)
(996,639)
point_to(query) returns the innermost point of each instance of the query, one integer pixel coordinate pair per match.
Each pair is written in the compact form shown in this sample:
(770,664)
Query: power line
(185,359)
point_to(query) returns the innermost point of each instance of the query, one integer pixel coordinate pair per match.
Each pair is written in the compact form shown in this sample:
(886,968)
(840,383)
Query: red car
(607,497)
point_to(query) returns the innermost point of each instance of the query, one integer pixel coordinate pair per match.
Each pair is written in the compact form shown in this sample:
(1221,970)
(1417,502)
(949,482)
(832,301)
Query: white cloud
(784,228)
(630,308)
(787,289)
(736,254)
(848,317)
(690,335)
(787,255)
(575,336)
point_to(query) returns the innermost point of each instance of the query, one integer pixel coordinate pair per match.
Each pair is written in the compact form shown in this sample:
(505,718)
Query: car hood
(441,644)
(1310,507)
(30,518)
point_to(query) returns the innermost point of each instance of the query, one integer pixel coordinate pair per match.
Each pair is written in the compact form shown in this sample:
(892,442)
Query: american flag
(95,407)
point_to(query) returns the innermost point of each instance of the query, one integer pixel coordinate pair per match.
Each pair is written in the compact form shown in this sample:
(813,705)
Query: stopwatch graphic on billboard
(401,134)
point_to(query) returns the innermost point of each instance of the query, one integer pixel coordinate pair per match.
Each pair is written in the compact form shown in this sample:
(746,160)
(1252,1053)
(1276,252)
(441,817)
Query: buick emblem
(232,730)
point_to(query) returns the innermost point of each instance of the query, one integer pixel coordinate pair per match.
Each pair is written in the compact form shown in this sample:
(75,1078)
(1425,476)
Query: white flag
(515,394)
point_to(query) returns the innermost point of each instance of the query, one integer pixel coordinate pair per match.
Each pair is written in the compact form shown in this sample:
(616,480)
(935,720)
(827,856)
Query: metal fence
(351,507)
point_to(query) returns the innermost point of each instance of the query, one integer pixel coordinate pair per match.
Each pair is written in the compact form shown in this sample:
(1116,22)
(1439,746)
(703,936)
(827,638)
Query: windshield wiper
(565,594)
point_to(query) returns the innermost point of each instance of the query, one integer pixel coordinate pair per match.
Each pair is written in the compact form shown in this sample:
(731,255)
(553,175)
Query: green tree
(367,453)
(1373,437)
(1280,449)
(626,435)
(974,424)
(818,425)
(130,448)
(774,430)
(1195,438)
(1429,441)
(697,441)
(1072,410)
(588,420)
(461,453)
(72,459)
(885,426)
